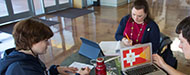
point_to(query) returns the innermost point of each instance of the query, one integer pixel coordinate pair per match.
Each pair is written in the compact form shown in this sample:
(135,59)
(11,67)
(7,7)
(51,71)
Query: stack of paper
(111,48)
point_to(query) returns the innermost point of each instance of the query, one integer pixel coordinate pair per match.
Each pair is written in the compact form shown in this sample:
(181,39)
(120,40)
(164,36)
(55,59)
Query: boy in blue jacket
(31,39)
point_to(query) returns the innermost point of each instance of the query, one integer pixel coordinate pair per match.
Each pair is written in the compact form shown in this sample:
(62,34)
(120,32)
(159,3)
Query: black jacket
(18,63)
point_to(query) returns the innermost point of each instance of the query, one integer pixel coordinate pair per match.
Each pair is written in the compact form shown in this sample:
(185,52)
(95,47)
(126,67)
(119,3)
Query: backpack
(165,51)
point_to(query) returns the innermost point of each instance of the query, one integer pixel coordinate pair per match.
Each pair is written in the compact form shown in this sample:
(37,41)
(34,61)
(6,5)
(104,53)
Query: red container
(100,66)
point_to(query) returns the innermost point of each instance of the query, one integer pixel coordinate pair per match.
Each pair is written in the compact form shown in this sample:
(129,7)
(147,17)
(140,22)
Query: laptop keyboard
(142,70)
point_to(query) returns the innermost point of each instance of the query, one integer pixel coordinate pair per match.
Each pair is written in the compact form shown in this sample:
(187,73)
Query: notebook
(111,48)
(90,49)
(137,60)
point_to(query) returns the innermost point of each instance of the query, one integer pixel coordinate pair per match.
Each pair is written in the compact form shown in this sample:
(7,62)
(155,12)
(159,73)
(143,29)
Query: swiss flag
(134,56)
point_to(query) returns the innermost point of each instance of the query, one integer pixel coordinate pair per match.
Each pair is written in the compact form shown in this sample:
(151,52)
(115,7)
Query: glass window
(49,3)
(63,1)
(38,7)
(20,6)
(3,7)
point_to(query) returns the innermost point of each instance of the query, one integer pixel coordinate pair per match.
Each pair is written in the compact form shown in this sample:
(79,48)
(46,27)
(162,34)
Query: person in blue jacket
(31,39)
(138,27)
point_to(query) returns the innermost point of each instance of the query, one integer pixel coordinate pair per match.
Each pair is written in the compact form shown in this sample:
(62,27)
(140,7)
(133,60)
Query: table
(79,58)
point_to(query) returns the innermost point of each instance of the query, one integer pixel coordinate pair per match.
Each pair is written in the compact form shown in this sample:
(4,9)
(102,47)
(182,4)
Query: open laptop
(137,60)
(90,49)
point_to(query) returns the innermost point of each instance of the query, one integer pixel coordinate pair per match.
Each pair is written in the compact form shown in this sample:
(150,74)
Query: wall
(82,3)
(113,3)
(77,3)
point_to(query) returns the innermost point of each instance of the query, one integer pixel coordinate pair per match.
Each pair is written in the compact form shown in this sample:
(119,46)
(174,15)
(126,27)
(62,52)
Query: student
(138,27)
(31,39)
(183,29)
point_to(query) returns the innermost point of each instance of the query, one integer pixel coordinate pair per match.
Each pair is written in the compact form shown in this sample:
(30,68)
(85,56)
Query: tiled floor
(101,26)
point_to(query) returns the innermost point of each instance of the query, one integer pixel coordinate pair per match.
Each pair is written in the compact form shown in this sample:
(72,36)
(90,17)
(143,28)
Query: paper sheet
(111,48)
(79,65)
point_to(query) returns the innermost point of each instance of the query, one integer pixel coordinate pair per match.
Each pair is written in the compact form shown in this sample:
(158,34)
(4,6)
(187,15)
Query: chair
(165,51)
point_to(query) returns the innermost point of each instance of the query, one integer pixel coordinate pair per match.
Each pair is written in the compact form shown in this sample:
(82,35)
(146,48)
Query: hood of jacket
(11,56)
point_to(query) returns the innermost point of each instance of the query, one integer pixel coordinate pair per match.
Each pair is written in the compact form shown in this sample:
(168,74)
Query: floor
(103,22)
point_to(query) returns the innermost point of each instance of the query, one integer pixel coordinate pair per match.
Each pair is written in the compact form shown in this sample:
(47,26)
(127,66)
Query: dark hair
(28,32)
(184,28)
(142,4)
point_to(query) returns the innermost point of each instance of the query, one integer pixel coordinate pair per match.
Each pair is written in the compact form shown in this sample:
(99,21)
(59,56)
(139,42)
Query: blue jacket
(151,34)
(18,63)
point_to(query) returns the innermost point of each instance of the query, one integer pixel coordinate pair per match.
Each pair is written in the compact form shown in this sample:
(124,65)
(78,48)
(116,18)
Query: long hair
(142,4)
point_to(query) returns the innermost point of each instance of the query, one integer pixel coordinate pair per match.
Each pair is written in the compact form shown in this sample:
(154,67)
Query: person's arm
(53,70)
(154,36)
(171,70)
(121,28)
(84,71)
(56,69)
(127,42)
(160,62)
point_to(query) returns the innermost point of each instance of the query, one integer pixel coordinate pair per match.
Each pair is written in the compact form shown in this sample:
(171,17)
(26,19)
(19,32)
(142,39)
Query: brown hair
(28,32)
(142,4)
(184,28)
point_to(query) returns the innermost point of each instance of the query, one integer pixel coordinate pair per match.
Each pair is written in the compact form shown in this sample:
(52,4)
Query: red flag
(133,57)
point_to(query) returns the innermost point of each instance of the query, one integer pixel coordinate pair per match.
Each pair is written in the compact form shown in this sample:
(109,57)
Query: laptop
(137,60)
(90,49)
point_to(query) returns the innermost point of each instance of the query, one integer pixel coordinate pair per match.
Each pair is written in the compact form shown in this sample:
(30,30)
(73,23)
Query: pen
(127,36)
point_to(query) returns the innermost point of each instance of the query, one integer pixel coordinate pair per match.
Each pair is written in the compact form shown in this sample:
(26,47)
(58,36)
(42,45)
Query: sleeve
(121,28)
(155,37)
(53,70)
(77,74)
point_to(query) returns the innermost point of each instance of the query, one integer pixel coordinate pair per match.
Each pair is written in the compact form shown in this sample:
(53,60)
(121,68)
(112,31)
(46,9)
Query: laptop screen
(136,55)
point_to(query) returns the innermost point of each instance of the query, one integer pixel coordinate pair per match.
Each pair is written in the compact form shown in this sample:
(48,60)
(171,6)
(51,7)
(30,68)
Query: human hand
(158,60)
(84,71)
(127,42)
(66,70)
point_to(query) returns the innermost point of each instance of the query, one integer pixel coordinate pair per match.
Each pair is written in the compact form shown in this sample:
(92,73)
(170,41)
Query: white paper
(79,65)
(111,48)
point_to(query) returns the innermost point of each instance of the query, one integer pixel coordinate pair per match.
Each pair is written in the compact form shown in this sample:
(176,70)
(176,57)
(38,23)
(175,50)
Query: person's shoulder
(8,51)
(126,16)
(152,23)
(15,68)
(23,64)
(14,64)
(22,68)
